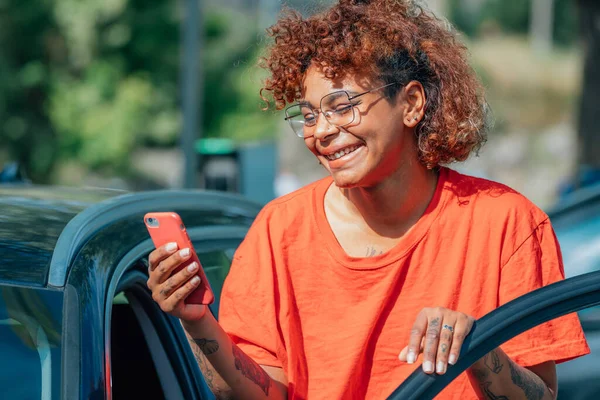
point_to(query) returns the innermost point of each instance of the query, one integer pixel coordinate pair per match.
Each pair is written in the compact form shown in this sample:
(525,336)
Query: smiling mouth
(343,152)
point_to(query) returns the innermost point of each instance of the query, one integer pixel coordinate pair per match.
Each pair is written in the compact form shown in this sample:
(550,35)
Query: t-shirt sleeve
(248,300)
(535,263)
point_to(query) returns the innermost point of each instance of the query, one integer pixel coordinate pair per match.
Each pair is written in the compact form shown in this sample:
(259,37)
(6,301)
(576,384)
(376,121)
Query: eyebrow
(304,102)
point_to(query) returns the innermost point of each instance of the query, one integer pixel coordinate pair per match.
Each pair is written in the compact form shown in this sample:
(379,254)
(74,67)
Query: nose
(324,128)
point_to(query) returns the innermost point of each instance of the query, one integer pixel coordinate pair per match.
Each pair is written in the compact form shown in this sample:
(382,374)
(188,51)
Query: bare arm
(497,377)
(228,371)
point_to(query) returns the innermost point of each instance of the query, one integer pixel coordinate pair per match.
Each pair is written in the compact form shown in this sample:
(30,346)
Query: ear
(414,99)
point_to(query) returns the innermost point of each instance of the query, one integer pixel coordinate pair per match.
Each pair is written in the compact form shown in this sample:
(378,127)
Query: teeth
(342,152)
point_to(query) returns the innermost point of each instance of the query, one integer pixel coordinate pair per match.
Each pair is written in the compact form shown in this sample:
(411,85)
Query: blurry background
(93,93)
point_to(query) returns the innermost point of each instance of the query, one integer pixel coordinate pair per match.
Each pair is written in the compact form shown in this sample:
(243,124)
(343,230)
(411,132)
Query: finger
(432,338)
(179,295)
(166,266)
(443,351)
(160,254)
(174,282)
(461,330)
(416,335)
(404,352)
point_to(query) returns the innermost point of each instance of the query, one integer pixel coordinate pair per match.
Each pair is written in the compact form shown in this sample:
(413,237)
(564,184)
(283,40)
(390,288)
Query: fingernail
(441,367)
(192,267)
(184,252)
(411,357)
(171,246)
(452,359)
(195,280)
(428,366)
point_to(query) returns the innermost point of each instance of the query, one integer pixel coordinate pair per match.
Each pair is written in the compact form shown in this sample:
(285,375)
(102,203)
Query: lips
(342,152)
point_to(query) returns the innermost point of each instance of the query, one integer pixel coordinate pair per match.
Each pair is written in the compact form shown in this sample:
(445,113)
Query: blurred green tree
(512,16)
(86,82)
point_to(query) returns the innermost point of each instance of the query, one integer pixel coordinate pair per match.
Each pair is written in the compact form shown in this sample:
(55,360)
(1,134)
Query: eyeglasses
(337,107)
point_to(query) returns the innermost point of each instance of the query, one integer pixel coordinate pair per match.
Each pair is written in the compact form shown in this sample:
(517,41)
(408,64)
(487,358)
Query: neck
(394,205)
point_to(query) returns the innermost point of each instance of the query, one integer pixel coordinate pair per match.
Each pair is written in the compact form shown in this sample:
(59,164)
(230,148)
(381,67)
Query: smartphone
(166,227)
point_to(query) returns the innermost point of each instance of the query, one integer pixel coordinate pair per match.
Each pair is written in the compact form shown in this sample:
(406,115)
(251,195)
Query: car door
(504,323)
(31,324)
(141,337)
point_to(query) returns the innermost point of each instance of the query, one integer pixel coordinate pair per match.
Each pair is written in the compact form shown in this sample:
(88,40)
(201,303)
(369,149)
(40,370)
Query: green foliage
(512,16)
(86,82)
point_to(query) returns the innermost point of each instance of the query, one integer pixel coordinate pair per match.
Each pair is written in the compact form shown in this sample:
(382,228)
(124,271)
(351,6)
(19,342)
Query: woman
(341,287)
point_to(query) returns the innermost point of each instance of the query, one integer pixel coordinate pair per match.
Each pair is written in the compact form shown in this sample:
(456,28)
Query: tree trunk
(589,113)
(542,20)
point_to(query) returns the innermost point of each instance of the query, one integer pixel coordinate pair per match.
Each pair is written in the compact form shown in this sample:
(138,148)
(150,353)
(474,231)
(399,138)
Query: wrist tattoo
(207,372)
(492,362)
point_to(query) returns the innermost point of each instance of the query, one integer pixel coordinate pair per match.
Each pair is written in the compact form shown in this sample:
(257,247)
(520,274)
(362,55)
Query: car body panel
(576,221)
(31,221)
(73,241)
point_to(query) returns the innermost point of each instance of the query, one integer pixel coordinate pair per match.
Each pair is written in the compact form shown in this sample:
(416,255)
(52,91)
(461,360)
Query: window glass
(30,338)
(130,351)
(216,264)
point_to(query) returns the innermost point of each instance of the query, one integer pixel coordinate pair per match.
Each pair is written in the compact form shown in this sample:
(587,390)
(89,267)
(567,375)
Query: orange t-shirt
(336,324)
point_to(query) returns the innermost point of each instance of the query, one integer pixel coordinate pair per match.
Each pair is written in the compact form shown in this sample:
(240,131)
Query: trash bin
(247,168)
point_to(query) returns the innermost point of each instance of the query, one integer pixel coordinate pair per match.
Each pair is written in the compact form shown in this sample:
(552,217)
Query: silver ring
(451,329)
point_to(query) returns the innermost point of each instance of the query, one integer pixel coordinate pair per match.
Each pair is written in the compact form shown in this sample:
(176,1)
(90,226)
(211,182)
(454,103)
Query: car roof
(43,228)
(31,221)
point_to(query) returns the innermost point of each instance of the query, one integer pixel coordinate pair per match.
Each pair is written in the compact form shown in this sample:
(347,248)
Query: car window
(579,237)
(30,343)
(130,351)
(216,264)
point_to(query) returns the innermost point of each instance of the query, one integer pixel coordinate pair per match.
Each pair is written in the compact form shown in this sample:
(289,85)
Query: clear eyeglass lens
(298,117)
(337,109)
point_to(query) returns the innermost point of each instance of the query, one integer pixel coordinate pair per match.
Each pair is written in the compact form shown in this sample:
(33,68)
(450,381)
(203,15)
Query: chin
(346,179)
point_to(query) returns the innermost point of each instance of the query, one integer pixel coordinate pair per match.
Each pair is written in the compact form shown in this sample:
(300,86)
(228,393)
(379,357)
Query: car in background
(78,322)
(576,221)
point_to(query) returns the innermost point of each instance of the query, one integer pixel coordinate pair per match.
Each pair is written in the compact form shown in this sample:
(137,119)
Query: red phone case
(170,228)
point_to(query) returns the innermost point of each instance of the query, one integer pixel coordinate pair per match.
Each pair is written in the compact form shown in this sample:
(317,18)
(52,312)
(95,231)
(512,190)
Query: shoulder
(493,200)
(490,212)
(291,209)
(295,203)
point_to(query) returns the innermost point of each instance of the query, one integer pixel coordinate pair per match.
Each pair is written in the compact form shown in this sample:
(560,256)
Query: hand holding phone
(167,227)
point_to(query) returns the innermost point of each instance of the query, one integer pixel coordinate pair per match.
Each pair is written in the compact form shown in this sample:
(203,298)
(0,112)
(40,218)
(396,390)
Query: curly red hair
(392,41)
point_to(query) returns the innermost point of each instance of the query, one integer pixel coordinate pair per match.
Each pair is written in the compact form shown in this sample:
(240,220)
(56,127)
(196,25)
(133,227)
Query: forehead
(315,84)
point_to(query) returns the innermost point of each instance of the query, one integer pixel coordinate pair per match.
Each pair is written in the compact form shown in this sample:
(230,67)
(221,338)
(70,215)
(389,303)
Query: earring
(416,118)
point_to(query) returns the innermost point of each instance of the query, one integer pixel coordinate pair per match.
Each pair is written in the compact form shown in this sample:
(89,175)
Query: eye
(309,119)
(343,108)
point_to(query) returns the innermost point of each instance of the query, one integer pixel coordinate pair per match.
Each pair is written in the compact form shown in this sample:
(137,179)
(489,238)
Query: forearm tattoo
(492,365)
(532,387)
(251,370)
(207,346)
(207,372)
(485,389)
(492,362)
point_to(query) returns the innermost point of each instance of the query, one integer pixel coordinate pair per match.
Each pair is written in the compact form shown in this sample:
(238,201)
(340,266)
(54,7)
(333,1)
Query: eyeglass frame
(320,110)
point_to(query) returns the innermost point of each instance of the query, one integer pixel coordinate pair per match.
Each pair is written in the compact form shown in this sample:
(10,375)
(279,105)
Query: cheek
(311,145)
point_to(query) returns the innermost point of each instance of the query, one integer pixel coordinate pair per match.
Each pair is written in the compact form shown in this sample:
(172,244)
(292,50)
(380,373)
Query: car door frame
(504,323)
(190,377)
